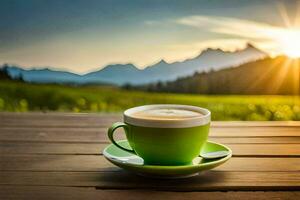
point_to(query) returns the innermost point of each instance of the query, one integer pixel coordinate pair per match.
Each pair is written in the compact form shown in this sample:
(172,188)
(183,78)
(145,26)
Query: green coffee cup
(165,137)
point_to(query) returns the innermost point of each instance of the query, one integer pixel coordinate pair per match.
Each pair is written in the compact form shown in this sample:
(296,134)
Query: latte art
(166,114)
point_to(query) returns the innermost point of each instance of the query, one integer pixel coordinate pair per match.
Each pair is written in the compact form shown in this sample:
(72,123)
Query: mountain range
(119,74)
(268,76)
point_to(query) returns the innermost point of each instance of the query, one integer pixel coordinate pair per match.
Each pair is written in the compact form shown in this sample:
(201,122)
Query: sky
(86,35)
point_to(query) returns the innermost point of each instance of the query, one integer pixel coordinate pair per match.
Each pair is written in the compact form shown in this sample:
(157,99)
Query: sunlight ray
(264,75)
(283,13)
(281,75)
(297,17)
(296,76)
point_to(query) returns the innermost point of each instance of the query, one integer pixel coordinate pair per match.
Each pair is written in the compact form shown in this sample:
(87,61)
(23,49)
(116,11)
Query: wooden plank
(92,170)
(255,131)
(99,134)
(57,120)
(55,134)
(209,181)
(35,162)
(256,140)
(84,137)
(82,122)
(73,193)
(51,148)
(265,149)
(253,150)
(256,123)
(56,116)
(95,120)
(106,121)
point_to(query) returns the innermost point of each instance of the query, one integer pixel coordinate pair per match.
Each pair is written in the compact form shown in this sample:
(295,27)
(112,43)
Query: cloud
(266,36)
(230,26)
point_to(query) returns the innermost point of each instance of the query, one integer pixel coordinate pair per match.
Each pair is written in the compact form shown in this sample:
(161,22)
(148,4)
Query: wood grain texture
(239,150)
(97,163)
(93,119)
(90,193)
(209,181)
(283,134)
(58,156)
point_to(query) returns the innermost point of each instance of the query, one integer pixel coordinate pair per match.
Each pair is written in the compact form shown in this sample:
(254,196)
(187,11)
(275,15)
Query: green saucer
(135,163)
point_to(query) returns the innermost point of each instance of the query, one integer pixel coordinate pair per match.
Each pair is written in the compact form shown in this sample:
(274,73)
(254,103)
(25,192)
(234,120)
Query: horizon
(81,38)
(54,68)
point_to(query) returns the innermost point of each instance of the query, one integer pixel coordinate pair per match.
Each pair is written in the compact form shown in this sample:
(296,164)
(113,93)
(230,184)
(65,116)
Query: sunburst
(289,39)
(290,43)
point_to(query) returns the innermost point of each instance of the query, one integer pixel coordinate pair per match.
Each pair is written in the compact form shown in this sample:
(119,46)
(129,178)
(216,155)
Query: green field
(22,97)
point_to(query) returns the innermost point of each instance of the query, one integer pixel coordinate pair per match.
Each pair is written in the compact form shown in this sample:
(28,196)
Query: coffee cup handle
(111,131)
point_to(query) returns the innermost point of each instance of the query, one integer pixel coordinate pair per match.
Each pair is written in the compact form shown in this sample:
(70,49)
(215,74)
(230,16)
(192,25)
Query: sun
(290,43)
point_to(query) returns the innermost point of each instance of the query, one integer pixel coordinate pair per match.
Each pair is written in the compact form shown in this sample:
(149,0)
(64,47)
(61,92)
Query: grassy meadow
(23,97)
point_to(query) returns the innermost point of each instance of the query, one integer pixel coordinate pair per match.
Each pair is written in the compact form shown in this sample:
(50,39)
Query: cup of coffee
(164,134)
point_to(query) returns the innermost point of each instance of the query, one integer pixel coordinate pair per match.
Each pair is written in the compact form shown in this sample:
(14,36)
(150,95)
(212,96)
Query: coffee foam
(166,114)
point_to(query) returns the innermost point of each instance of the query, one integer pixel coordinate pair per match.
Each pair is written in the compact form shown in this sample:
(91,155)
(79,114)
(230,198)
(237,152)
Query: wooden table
(58,156)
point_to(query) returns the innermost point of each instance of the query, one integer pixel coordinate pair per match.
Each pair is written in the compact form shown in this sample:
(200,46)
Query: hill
(4,74)
(278,75)
(44,75)
(120,74)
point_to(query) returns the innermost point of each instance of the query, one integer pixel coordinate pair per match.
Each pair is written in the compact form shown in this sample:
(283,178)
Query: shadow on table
(126,180)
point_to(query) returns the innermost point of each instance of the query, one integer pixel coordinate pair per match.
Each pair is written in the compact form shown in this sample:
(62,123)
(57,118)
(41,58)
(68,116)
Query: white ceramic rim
(167,123)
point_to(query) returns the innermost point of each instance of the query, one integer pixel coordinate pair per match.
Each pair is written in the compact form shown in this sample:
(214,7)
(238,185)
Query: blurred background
(238,58)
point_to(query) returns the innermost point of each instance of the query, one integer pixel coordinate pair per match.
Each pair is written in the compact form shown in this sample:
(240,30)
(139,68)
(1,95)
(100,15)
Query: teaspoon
(214,154)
